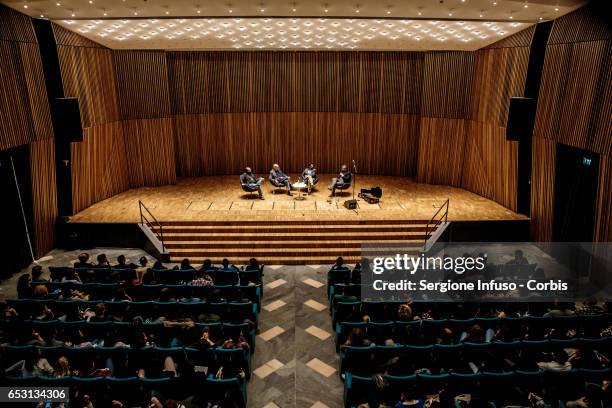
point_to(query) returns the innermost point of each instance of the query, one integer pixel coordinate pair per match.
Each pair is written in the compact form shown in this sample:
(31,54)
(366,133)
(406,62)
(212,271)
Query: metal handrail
(150,224)
(431,221)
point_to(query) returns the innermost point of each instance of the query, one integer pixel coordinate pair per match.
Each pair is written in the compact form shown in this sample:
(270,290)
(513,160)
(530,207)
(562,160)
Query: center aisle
(295,363)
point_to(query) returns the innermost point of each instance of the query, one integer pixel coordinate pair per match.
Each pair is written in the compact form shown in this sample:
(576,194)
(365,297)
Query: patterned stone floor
(295,363)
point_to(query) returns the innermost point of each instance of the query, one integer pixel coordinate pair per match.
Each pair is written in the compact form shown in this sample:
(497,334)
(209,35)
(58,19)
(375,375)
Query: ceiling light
(495,3)
(526,5)
(556,8)
(58,4)
(42,16)
(90,1)
(72,14)
(541,18)
(25,6)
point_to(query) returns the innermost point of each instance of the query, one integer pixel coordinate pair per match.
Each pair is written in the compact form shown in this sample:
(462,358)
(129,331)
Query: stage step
(279,242)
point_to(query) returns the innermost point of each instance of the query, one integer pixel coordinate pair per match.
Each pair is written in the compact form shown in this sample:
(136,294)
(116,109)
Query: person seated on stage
(345,177)
(309,175)
(251,182)
(277,177)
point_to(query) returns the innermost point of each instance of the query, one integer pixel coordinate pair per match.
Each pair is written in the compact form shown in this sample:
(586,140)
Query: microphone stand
(354,177)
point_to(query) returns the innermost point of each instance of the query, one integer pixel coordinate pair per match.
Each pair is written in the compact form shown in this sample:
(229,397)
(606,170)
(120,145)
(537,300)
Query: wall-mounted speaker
(521,116)
(68,116)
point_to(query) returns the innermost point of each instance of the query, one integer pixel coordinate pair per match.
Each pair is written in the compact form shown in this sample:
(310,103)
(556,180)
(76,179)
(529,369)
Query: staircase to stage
(290,242)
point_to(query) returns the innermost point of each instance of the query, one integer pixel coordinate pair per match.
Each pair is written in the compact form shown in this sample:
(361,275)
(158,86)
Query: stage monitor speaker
(520,118)
(68,119)
(351,204)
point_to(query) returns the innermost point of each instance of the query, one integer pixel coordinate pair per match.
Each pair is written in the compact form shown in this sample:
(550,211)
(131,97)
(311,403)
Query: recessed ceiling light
(495,3)
(511,17)
(25,5)
(90,1)
(72,14)
(541,18)
(135,13)
(42,16)
(556,8)
(105,14)
(526,5)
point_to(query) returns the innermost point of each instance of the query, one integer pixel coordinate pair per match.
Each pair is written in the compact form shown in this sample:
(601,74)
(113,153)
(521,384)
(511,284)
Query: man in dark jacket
(345,177)
(252,183)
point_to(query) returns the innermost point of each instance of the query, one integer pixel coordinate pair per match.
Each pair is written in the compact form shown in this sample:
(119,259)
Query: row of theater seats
(137,346)
(108,274)
(498,352)
(483,389)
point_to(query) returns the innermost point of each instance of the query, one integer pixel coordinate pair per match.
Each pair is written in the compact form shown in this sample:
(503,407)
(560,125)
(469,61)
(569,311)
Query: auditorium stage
(220,198)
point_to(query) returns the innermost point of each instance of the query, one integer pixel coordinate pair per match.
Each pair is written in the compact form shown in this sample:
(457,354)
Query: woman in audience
(121,296)
(40,292)
(62,367)
(24,290)
(102,261)
(185,265)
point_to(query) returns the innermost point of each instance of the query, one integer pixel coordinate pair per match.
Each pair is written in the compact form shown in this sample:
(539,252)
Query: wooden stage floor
(221,199)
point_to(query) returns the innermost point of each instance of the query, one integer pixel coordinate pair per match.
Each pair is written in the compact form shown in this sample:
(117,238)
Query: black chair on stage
(276,184)
(250,190)
(345,186)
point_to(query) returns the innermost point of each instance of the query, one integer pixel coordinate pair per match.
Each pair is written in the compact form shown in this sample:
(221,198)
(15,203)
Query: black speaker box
(68,116)
(351,204)
(521,116)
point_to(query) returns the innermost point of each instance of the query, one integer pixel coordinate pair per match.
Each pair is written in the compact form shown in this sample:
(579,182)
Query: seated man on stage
(309,175)
(248,180)
(278,178)
(345,177)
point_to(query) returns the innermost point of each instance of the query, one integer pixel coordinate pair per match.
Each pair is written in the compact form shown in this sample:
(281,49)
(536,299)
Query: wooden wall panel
(142,82)
(499,74)
(490,163)
(544,153)
(225,82)
(574,104)
(585,24)
(88,74)
(15,26)
(209,144)
(24,110)
(441,151)
(44,194)
(149,151)
(447,84)
(99,165)
(603,216)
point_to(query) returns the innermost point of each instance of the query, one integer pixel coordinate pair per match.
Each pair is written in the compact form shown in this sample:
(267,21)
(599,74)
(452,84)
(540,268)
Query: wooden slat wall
(542,189)
(223,143)
(224,82)
(447,83)
(15,26)
(574,108)
(490,163)
(44,194)
(603,217)
(142,82)
(149,151)
(441,151)
(24,110)
(99,165)
(25,118)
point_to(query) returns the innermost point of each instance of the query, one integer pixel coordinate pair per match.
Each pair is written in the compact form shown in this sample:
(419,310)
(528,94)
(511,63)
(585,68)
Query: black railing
(440,216)
(147,218)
